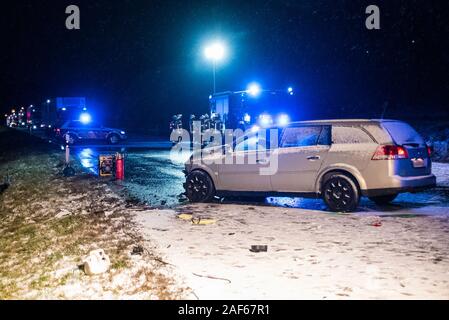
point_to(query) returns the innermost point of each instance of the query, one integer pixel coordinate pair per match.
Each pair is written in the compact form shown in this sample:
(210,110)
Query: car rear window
(347,135)
(402,133)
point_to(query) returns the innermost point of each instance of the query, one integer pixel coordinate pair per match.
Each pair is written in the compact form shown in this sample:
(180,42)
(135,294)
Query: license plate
(419,163)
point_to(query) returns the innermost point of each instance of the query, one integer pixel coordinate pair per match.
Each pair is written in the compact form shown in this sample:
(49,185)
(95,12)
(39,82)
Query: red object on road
(119,167)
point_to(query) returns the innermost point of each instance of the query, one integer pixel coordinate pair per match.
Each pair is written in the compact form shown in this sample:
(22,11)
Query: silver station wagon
(336,160)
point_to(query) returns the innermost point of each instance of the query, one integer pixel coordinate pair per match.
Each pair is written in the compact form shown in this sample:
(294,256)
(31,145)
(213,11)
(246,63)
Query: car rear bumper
(403,184)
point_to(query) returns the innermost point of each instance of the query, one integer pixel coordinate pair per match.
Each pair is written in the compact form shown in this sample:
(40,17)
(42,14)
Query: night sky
(139,62)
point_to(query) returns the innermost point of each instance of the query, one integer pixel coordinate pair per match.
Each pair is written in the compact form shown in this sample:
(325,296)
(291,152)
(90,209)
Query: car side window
(348,135)
(301,136)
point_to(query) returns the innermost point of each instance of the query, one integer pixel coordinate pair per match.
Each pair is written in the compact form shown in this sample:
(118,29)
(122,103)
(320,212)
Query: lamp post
(215,52)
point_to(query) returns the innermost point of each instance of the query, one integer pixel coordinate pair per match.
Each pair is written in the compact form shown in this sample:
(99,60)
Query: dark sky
(141,61)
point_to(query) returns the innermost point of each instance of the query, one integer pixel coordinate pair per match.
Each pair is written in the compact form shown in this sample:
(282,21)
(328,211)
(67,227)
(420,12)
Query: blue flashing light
(265,120)
(64,109)
(254,89)
(84,109)
(85,118)
(283,120)
(247,118)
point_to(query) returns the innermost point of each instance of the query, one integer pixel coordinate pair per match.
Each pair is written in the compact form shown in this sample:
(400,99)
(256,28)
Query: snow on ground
(441,170)
(395,252)
(311,254)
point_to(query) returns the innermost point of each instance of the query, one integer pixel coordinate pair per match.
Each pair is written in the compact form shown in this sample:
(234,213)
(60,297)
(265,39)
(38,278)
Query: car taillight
(429,151)
(390,153)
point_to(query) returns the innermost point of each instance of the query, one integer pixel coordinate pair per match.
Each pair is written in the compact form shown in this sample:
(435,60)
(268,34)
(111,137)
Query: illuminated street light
(215,52)
(48,101)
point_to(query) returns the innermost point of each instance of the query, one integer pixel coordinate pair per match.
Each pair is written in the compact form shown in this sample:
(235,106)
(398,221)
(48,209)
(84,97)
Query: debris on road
(197,220)
(375,222)
(97,262)
(203,221)
(185,216)
(259,248)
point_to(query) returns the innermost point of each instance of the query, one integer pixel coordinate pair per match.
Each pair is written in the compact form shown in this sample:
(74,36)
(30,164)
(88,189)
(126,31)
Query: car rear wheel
(382,200)
(113,139)
(340,193)
(199,187)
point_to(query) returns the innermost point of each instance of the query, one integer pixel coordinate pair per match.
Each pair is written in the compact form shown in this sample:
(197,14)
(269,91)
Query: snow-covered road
(394,252)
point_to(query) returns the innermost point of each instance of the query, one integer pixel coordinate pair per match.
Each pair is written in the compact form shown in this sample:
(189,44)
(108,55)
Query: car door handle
(313,158)
(262,161)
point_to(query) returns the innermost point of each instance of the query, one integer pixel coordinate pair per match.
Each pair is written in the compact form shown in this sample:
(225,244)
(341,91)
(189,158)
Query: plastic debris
(259,248)
(185,216)
(197,220)
(97,262)
(203,221)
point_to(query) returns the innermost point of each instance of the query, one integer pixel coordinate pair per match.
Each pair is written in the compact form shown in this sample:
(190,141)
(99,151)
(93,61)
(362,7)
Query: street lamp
(215,52)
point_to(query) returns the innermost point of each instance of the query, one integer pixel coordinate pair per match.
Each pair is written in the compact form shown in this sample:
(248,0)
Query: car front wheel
(340,193)
(199,187)
(382,200)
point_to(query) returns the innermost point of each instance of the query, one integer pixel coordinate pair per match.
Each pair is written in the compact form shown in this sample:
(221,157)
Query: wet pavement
(153,178)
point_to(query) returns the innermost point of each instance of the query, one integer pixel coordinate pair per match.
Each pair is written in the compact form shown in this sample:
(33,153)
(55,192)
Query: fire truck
(253,108)
(250,109)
